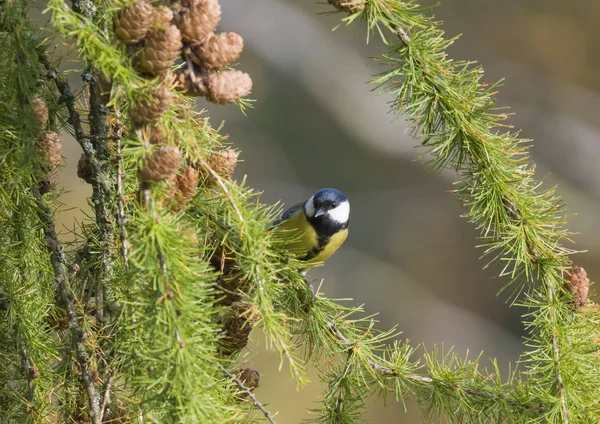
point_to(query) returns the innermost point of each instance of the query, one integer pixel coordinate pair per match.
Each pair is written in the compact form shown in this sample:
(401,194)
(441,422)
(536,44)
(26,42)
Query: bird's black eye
(334,205)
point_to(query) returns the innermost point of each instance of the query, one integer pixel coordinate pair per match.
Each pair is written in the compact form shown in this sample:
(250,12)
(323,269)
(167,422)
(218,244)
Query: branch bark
(65,296)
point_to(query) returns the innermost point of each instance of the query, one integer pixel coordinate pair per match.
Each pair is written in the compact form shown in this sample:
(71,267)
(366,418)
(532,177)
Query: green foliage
(145,315)
(28,352)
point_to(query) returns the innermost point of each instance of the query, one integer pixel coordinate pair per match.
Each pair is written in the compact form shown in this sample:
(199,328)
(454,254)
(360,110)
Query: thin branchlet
(249,393)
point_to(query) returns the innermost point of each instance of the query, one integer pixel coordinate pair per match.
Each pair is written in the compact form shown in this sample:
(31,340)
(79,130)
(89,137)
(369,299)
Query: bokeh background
(409,256)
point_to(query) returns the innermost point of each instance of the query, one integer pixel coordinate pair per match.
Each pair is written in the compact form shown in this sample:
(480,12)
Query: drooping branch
(456,388)
(64,294)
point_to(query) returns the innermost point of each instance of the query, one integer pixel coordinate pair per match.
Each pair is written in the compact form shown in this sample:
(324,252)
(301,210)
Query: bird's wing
(287,214)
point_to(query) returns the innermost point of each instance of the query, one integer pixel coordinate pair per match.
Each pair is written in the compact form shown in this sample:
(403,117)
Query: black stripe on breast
(325,227)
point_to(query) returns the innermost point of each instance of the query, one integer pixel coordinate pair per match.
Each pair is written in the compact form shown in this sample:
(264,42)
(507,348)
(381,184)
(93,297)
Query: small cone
(348,6)
(40,109)
(249,378)
(133,23)
(46,186)
(50,146)
(223,162)
(237,328)
(218,50)
(228,86)
(227,292)
(186,186)
(578,284)
(84,169)
(161,48)
(199,20)
(158,135)
(161,164)
(147,111)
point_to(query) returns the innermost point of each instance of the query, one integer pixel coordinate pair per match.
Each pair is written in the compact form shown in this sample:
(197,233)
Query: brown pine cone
(228,86)
(161,165)
(578,284)
(228,290)
(133,22)
(185,187)
(237,328)
(249,378)
(84,169)
(149,110)
(348,6)
(161,48)
(158,135)
(199,19)
(223,162)
(40,110)
(50,146)
(218,50)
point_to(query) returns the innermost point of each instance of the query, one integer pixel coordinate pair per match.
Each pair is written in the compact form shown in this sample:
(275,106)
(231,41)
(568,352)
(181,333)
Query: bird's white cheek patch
(341,213)
(309,207)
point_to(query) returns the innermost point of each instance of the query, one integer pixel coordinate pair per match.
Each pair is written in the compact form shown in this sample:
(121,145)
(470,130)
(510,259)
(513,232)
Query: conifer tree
(144,318)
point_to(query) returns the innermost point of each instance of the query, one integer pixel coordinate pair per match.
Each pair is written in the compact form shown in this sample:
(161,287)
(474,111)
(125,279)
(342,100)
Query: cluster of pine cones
(186,31)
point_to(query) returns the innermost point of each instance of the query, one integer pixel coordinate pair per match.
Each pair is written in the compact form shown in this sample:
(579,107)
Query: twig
(248,392)
(120,198)
(557,357)
(29,371)
(402,35)
(224,189)
(481,394)
(106,397)
(63,293)
(97,152)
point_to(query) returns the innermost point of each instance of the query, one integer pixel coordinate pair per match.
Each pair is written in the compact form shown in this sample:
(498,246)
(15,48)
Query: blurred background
(409,255)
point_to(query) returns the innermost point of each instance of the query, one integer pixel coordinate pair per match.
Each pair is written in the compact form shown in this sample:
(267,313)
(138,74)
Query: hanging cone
(161,48)
(218,50)
(249,378)
(578,284)
(228,290)
(348,6)
(50,146)
(149,110)
(84,169)
(228,86)
(133,23)
(199,19)
(237,329)
(186,185)
(161,164)
(223,162)
(40,110)
(158,135)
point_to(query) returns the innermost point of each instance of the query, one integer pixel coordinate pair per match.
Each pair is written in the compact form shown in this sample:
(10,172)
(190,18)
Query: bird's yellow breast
(304,240)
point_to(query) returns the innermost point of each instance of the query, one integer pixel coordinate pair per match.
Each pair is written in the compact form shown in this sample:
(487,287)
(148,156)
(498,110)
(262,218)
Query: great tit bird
(319,225)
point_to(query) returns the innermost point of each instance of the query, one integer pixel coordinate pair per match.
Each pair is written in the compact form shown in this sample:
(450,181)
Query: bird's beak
(319,212)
